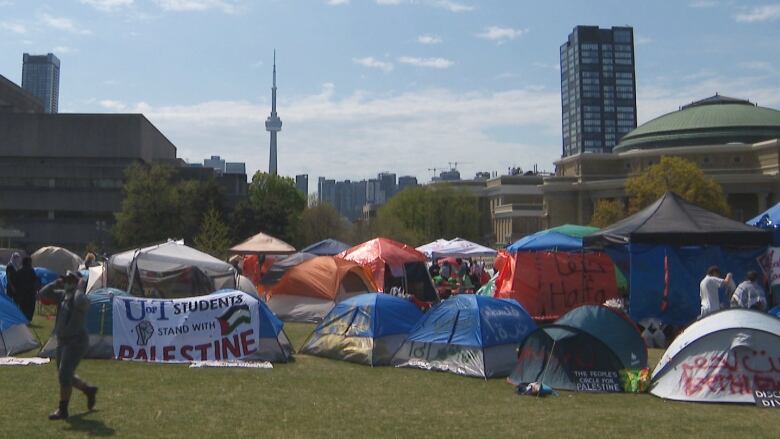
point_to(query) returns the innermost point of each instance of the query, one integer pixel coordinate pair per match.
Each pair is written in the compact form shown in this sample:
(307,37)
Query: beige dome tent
(262,244)
(56,259)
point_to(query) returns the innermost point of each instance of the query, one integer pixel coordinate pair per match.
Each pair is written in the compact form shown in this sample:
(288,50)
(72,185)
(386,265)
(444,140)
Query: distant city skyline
(402,86)
(41,78)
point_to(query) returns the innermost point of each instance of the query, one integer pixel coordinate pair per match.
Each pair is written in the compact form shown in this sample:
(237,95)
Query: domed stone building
(732,140)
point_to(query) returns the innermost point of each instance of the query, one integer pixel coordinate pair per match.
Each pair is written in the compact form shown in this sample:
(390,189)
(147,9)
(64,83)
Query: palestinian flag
(234,316)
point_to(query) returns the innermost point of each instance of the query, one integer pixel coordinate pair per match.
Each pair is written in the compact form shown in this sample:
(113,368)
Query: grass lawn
(315,397)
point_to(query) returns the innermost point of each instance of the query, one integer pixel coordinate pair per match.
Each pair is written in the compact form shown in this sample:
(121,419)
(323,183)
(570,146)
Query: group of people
(749,294)
(463,277)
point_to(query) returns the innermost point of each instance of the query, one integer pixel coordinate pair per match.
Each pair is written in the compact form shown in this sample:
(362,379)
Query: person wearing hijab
(26,285)
(14,265)
(70,328)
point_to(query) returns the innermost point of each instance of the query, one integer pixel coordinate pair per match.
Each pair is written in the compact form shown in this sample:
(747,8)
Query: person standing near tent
(14,265)
(708,290)
(72,338)
(26,283)
(749,294)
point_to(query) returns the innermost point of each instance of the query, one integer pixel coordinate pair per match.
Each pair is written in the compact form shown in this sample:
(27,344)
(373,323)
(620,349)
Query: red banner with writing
(548,284)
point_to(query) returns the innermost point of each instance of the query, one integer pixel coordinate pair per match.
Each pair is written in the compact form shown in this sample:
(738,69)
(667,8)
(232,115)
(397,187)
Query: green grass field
(315,397)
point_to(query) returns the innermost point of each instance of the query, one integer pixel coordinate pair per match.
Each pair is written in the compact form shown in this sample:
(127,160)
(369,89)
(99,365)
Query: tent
(100,325)
(666,249)
(767,220)
(15,336)
(307,292)
(44,276)
(672,220)
(723,357)
(567,237)
(431,247)
(168,270)
(467,335)
(394,265)
(366,329)
(327,247)
(262,244)
(584,350)
(280,267)
(56,259)
(461,248)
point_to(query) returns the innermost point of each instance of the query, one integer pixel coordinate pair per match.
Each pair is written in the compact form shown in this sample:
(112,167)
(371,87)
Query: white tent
(461,248)
(721,358)
(56,259)
(431,247)
(170,269)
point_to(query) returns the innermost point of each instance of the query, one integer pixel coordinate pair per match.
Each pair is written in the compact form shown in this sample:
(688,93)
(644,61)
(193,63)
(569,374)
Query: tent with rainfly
(583,350)
(723,357)
(467,335)
(56,259)
(308,291)
(366,329)
(15,337)
(100,325)
(326,247)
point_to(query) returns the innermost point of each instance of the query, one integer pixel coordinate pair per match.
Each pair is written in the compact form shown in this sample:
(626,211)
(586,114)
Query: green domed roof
(715,120)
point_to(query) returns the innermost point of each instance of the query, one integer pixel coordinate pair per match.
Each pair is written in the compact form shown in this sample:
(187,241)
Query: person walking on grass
(72,338)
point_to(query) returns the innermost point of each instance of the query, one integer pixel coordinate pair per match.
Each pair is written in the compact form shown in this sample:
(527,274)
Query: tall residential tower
(273,125)
(598,88)
(41,78)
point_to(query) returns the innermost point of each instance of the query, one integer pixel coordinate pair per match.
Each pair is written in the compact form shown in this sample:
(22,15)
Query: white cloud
(551,66)
(108,5)
(700,4)
(389,2)
(337,2)
(112,105)
(63,24)
(429,39)
(759,14)
(757,65)
(358,135)
(453,6)
(435,63)
(373,63)
(17,28)
(644,40)
(226,6)
(62,50)
(501,34)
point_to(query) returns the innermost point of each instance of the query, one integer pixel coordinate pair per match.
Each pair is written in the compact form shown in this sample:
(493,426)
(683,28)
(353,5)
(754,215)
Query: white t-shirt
(708,290)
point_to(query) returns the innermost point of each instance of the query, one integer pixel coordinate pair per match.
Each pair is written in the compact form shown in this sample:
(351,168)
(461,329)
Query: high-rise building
(598,88)
(388,184)
(41,78)
(302,184)
(406,181)
(273,125)
(326,191)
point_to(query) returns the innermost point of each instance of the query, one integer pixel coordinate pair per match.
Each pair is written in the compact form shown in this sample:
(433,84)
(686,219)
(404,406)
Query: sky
(366,86)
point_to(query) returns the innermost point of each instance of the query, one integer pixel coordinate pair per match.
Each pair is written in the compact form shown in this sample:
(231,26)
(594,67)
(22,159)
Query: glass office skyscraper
(598,88)
(41,77)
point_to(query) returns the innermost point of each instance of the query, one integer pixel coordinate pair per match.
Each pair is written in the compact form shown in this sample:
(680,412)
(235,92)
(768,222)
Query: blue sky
(373,85)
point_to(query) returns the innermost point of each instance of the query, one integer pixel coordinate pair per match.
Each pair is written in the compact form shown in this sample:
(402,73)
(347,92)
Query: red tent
(380,252)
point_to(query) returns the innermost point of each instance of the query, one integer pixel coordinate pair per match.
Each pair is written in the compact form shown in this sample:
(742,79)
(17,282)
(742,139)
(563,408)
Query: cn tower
(273,125)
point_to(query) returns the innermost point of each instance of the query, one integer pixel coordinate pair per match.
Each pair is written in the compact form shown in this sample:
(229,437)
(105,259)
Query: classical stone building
(732,140)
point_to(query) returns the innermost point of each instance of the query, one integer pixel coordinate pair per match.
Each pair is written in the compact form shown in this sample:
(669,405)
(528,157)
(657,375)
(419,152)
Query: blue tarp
(476,321)
(686,266)
(370,315)
(546,240)
(775,311)
(270,325)
(770,220)
(44,275)
(10,315)
(327,247)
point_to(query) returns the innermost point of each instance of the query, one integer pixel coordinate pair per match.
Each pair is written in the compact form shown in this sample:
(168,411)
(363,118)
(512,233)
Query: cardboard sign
(597,381)
(767,398)
(215,327)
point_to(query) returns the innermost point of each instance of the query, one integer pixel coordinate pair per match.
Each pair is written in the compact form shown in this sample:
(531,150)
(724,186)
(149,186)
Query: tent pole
(544,372)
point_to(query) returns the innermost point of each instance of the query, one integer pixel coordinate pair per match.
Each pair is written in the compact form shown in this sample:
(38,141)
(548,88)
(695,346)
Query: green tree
(274,207)
(321,221)
(214,236)
(424,213)
(680,176)
(193,198)
(607,212)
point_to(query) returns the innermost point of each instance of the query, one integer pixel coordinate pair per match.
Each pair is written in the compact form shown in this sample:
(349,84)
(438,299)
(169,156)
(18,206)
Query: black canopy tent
(674,221)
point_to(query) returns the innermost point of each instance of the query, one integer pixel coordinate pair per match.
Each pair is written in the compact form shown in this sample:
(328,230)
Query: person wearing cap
(749,294)
(72,339)
(708,290)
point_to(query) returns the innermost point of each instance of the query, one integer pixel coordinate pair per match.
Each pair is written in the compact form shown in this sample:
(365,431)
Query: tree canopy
(607,212)
(321,221)
(214,236)
(274,207)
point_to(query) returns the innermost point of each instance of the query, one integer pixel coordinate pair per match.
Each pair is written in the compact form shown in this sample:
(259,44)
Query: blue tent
(584,350)
(768,219)
(546,240)
(366,329)
(467,335)
(327,247)
(775,311)
(15,337)
(44,276)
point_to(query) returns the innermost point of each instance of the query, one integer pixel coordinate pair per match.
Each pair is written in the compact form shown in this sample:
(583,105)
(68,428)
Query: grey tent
(672,220)
(326,247)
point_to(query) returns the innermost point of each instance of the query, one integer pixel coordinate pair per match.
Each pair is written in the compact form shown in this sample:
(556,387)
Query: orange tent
(308,291)
(378,252)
